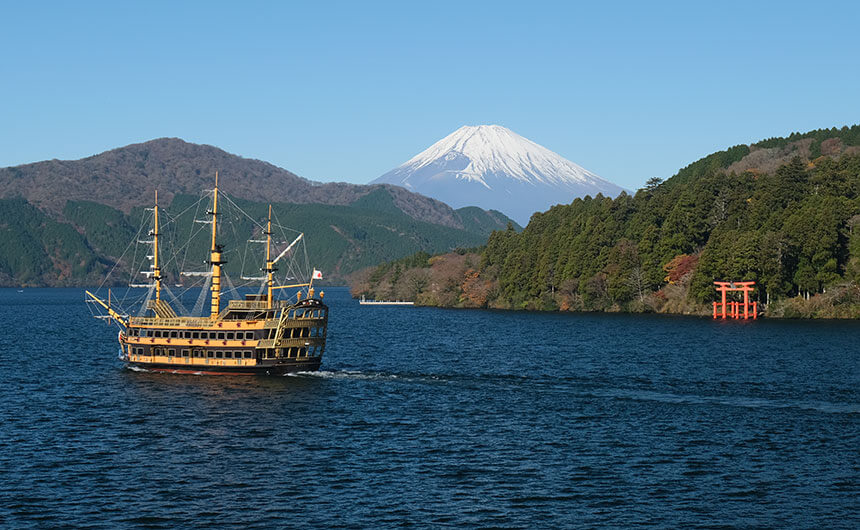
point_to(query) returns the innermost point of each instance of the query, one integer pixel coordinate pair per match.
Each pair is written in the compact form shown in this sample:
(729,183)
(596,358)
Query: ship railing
(247,304)
(178,321)
(294,323)
(289,343)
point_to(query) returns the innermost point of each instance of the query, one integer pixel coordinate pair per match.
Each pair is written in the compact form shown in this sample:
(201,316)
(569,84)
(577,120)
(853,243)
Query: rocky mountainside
(494,168)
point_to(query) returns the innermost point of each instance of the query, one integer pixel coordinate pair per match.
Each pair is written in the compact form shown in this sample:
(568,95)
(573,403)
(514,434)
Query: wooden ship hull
(255,335)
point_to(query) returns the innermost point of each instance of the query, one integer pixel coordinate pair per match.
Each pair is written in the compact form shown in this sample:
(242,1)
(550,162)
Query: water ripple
(424,417)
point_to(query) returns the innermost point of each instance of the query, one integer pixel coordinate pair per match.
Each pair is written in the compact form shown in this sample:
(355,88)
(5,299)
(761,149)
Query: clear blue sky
(347,91)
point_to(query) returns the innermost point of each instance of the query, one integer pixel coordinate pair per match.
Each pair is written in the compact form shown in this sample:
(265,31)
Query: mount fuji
(493,167)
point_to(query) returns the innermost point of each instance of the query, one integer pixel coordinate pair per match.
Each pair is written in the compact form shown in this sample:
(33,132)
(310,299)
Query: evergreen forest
(784,213)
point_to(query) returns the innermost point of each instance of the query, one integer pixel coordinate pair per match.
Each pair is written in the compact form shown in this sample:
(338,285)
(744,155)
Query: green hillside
(35,249)
(69,222)
(89,238)
(794,229)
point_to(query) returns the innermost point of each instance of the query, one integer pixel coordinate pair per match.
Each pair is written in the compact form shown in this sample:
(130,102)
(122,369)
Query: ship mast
(215,257)
(156,271)
(270,266)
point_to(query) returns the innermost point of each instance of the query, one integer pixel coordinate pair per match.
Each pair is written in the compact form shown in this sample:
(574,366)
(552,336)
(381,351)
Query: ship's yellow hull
(276,341)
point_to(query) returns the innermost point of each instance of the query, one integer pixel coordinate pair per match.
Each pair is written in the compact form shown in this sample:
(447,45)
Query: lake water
(438,417)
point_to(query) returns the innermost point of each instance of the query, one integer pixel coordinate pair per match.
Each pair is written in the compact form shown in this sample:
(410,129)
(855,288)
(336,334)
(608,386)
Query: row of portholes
(307,313)
(213,335)
(292,353)
(210,354)
(297,333)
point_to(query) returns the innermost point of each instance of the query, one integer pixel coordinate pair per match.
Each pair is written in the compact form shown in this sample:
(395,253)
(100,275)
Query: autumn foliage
(680,267)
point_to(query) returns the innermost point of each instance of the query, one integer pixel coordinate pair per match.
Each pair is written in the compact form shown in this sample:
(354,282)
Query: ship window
(174,335)
(249,334)
(185,353)
(156,333)
(198,353)
(220,335)
(187,334)
(230,335)
(303,352)
(247,355)
(219,354)
(195,335)
(228,355)
(171,352)
(210,354)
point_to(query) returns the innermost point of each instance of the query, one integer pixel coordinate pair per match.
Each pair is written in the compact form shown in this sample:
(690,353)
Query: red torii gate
(732,309)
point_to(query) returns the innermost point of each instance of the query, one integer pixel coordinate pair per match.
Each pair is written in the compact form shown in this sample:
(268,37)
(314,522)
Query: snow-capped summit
(495,168)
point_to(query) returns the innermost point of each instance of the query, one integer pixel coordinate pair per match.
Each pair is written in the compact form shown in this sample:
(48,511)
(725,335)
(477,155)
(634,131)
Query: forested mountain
(784,212)
(67,222)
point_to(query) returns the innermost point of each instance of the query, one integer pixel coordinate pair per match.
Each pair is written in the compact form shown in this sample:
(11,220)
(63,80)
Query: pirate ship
(268,325)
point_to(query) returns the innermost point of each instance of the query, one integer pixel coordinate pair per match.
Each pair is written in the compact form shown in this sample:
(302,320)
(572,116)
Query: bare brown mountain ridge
(128,176)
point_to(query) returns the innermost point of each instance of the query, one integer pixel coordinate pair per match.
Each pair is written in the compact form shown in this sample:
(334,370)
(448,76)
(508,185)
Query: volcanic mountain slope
(494,168)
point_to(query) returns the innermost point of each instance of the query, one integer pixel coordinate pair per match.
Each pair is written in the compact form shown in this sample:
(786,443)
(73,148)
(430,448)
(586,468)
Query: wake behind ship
(280,328)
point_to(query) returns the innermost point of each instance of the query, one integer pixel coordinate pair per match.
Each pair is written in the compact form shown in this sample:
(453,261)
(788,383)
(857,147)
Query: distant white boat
(363,301)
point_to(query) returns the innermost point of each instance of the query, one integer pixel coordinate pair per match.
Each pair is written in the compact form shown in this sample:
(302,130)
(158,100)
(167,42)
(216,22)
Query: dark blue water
(438,417)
